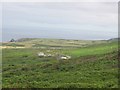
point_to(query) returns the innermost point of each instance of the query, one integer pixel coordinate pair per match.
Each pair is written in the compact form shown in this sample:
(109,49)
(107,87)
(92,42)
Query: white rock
(41,54)
(65,57)
(49,55)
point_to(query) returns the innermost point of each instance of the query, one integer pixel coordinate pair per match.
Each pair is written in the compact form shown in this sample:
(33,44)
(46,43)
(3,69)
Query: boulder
(41,54)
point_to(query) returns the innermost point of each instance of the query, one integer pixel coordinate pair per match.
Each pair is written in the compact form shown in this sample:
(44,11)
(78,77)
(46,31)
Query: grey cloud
(72,18)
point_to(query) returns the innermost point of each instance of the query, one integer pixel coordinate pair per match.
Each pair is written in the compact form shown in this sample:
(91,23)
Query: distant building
(12,40)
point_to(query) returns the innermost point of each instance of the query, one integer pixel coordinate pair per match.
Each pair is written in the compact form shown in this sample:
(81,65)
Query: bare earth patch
(3,47)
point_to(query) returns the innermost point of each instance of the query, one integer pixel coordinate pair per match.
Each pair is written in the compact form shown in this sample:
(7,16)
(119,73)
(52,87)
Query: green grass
(94,49)
(90,67)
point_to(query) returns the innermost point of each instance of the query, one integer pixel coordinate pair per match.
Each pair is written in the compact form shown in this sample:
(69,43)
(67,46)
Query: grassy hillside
(54,43)
(93,66)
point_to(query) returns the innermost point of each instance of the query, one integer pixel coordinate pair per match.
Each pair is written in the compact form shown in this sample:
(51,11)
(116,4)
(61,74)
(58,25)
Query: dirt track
(3,47)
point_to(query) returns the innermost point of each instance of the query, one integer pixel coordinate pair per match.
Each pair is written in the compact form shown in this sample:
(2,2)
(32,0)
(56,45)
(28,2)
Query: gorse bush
(90,67)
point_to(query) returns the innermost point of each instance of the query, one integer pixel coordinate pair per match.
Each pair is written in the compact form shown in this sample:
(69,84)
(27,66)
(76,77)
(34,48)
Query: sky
(64,20)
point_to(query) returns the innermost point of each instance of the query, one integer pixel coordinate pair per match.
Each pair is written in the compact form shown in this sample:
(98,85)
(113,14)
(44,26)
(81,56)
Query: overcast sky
(70,20)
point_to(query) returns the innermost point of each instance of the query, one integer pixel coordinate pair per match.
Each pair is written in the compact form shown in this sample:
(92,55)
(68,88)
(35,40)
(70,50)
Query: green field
(93,64)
